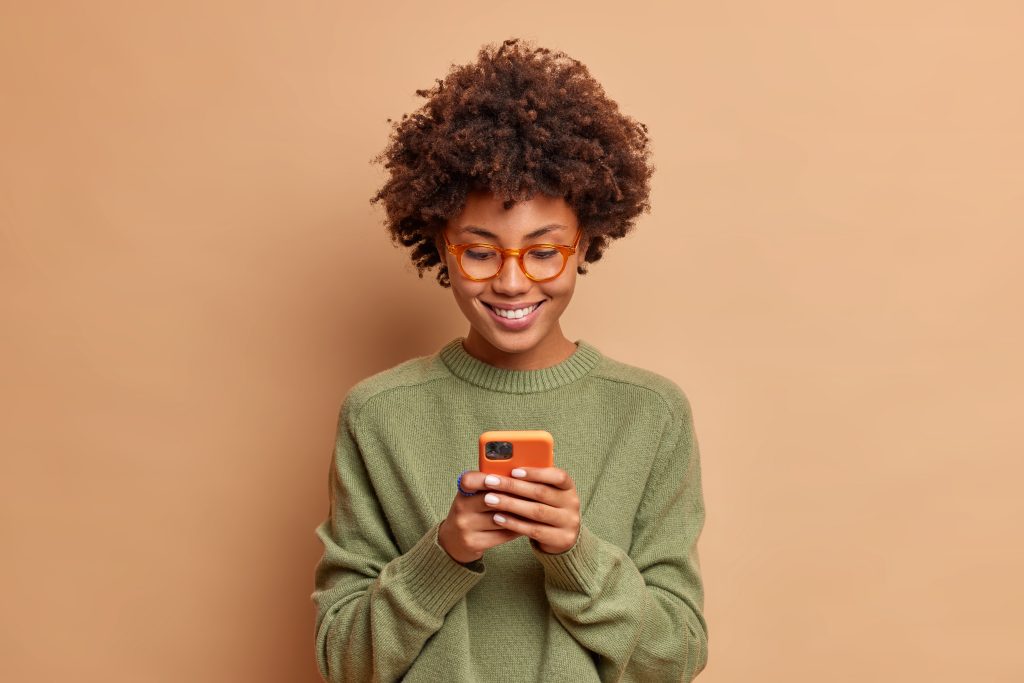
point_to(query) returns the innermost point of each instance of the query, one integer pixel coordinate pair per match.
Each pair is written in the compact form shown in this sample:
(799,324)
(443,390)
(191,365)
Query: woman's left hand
(543,503)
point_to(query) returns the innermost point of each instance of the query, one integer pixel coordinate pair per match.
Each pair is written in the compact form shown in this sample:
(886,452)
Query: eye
(480,253)
(543,254)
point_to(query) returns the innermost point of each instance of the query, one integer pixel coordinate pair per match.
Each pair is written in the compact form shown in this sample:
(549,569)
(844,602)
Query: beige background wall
(191,278)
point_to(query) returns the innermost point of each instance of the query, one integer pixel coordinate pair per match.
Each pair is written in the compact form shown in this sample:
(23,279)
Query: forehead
(485,216)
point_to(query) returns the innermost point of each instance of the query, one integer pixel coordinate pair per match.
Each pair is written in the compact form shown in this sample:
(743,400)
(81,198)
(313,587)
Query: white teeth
(516,314)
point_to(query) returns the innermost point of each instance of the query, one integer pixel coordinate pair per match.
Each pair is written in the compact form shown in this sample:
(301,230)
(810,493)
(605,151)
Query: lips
(513,308)
(531,307)
(515,323)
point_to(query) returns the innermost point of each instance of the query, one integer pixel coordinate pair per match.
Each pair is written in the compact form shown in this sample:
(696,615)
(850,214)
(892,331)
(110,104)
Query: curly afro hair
(520,120)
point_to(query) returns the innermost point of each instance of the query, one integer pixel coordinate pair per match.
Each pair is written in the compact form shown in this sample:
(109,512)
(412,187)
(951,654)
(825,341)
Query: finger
(524,489)
(497,536)
(472,480)
(528,509)
(472,521)
(555,476)
(542,533)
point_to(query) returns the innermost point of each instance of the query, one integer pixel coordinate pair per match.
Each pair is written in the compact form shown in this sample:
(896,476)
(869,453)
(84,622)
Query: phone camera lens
(498,450)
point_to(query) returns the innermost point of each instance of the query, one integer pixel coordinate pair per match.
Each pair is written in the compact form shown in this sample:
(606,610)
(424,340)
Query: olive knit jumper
(625,603)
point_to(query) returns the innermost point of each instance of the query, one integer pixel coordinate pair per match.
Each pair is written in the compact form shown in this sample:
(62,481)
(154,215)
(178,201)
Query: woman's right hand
(470,529)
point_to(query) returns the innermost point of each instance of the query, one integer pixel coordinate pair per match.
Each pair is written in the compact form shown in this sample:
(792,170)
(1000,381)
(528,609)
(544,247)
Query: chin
(511,342)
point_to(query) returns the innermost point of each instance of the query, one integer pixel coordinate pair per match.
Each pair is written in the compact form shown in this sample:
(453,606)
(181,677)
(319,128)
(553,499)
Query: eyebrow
(487,233)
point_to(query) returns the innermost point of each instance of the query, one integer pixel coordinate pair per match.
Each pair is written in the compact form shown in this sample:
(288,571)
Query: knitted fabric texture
(625,603)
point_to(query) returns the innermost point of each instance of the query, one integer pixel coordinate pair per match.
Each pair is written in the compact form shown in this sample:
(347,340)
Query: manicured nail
(519,472)
(492,480)
(500,519)
(491,498)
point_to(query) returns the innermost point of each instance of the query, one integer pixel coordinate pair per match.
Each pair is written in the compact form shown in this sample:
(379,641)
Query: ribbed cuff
(433,577)
(575,568)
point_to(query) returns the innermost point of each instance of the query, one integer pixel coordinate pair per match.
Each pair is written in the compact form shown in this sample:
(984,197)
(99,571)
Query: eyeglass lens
(540,262)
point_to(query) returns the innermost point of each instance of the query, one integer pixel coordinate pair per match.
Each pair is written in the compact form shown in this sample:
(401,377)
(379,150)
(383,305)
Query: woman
(425,575)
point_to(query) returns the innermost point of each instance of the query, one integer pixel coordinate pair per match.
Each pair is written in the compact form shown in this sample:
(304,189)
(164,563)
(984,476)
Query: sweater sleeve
(376,606)
(641,611)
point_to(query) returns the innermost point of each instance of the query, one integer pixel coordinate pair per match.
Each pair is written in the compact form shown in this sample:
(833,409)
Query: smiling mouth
(533,310)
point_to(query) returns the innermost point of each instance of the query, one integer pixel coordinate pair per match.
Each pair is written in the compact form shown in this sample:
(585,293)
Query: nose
(511,279)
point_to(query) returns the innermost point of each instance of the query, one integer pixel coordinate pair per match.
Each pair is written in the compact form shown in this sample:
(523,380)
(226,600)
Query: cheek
(466,290)
(561,294)
(566,283)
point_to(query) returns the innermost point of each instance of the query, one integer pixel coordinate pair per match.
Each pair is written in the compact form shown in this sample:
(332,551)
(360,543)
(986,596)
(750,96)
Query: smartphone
(501,451)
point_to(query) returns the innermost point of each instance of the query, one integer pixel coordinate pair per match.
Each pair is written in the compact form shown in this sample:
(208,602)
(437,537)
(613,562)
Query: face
(537,339)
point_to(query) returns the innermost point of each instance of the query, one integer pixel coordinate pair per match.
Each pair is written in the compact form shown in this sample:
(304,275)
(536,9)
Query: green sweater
(625,603)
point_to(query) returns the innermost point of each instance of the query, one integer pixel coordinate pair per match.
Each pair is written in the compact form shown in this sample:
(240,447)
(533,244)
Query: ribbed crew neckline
(475,371)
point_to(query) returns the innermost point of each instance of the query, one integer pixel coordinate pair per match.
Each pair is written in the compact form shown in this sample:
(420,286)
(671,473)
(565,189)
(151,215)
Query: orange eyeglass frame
(566,251)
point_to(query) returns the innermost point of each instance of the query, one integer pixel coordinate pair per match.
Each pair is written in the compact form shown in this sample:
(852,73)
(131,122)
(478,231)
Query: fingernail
(519,472)
(492,480)
(500,519)
(491,498)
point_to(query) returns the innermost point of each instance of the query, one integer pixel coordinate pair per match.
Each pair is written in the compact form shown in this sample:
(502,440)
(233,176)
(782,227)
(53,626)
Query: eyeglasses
(539,262)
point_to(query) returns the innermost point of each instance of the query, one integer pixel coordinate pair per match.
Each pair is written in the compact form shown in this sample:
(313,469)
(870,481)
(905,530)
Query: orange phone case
(530,448)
